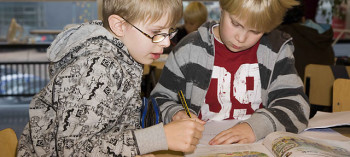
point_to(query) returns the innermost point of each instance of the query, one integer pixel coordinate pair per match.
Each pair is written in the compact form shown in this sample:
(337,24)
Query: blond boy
(195,14)
(240,68)
(91,106)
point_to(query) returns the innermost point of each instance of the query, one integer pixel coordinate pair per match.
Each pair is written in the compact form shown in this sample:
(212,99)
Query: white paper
(212,128)
(327,119)
(324,133)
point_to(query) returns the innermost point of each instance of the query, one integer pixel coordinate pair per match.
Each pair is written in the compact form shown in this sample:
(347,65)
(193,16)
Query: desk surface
(168,153)
(344,130)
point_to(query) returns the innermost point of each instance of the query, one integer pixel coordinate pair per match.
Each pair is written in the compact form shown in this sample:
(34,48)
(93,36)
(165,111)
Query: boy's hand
(241,133)
(183,135)
(182,115)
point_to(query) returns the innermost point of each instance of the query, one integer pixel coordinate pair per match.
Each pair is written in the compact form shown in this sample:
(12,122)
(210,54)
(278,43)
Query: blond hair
(147,11)
(262,15)
(196,12)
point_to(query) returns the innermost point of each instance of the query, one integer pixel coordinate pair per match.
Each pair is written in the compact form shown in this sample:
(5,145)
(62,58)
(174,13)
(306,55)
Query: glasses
(158,37)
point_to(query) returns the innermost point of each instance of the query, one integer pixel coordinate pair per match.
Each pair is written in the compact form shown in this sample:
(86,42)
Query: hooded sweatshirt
(91,106)
(190,65)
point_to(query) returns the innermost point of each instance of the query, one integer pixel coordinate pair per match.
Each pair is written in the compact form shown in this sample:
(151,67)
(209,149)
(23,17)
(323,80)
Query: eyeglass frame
(171,35)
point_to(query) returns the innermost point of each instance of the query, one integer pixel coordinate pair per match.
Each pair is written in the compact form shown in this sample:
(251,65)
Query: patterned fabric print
(90,107)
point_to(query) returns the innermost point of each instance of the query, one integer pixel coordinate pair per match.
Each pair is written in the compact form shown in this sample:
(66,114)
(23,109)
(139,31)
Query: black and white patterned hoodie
(91,106)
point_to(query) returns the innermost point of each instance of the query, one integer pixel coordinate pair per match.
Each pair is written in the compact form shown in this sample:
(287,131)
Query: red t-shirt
(235,88)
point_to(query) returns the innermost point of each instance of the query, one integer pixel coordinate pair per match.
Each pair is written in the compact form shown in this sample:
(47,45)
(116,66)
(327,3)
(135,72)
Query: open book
(307,143)
(278,144)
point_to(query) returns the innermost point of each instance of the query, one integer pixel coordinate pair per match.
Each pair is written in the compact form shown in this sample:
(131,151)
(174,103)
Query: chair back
(318,82)
(8,142)
(341,95)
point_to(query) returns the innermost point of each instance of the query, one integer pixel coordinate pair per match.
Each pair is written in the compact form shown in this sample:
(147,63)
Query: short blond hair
(196,12)
(262,15)
(147,11)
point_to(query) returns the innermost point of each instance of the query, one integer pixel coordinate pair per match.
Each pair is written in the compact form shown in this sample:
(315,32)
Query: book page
(327,119)
(236,150)
(325,134)
(212,128)
(294,145)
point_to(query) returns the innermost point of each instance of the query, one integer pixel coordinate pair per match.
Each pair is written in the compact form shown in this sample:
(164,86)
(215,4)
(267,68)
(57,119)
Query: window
(44,15)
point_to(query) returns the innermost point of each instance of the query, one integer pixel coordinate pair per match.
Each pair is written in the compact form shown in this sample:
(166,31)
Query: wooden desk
(344,130)
(168,153)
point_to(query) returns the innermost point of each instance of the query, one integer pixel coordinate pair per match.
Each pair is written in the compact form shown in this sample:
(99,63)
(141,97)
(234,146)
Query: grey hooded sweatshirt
(190,65)
(91,106)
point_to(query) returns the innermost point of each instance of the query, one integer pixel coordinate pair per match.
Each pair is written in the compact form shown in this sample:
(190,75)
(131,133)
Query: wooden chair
(8,142)
(318,82)
(341,95)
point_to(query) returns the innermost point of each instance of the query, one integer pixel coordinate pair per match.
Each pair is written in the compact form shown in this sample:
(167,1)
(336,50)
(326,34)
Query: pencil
(184,104)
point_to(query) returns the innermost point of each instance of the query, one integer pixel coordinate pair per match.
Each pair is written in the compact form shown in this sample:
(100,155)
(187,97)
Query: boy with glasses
(240,68)
(91,106)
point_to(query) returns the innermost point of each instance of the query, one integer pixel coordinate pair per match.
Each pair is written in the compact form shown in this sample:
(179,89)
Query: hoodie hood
(75,36)
(81,40)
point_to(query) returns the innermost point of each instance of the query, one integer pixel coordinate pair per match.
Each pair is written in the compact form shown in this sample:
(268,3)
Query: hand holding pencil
(186,113)
(184,132)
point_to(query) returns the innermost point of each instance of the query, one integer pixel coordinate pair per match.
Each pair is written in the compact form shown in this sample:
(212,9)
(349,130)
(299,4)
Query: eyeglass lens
(160,37)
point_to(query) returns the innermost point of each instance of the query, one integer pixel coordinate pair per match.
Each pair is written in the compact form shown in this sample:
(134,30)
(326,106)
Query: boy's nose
(241,36)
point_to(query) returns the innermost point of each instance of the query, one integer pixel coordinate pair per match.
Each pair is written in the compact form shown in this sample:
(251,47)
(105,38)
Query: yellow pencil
(184,104)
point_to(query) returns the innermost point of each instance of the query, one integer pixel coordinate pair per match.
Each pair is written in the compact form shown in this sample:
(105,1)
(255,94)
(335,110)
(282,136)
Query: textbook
(277,144)
(307,143)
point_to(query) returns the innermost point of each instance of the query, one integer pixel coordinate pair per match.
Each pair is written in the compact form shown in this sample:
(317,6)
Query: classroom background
(27,27)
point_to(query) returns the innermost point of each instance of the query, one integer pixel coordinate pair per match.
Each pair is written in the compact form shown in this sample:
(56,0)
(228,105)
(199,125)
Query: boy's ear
(116,24)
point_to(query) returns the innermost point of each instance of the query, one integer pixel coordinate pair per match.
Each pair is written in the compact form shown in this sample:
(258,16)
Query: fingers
(218,138)
(180,115)
(243,141)
(229,140)
(198,120)
(197,134)
(183,135)
(191,145)
(189,148)
(240,133)
(194,141)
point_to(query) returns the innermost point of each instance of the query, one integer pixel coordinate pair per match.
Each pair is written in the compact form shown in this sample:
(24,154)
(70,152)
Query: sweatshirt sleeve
(151,139)
(286,106)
